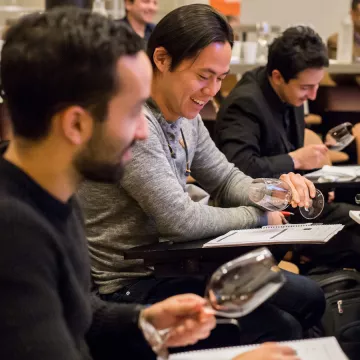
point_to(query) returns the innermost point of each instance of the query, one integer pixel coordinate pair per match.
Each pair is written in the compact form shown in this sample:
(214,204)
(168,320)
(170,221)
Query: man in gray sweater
(190,57)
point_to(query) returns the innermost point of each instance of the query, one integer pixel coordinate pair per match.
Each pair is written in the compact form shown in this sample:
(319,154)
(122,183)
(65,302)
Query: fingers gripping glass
(234,290)
(276,195)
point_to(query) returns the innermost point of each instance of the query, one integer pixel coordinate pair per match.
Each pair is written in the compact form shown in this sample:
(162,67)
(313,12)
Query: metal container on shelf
(263,41)
(345,41)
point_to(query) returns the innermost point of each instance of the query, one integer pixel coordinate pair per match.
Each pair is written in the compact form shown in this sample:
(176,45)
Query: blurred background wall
(324,15)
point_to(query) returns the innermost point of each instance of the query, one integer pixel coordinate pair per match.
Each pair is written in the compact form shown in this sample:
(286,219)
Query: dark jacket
(148,28)
(250,128)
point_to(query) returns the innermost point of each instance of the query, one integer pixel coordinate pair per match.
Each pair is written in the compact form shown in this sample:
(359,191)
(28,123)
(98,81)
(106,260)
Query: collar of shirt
(171,130)
(283,111)
(148,28)
(271,96)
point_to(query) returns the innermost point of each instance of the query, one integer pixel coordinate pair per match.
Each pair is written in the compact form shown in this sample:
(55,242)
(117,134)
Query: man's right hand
(186,315)
(309,157)
(269,351)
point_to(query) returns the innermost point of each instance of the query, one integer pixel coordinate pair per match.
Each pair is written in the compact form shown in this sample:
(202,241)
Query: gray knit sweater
(151,202)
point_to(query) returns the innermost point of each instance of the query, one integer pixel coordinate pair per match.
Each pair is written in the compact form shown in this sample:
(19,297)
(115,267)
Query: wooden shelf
(240,68)
(16,8)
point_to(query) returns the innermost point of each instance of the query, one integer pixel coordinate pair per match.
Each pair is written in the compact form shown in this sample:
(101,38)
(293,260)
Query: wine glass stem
(222,321)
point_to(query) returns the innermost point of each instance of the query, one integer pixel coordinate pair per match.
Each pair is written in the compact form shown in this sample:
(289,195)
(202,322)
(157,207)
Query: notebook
(312,349)
(280,234)
(355,215)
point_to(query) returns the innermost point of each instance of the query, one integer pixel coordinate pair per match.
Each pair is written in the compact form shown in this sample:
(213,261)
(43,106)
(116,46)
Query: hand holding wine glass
(339,137)
(277,195)
(315,156)
(302,189)
(234,290)
(185,315)
(310,157)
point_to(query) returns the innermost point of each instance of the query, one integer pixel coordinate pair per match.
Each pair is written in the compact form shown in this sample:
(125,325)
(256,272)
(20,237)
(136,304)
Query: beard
(93,163)
(100,171)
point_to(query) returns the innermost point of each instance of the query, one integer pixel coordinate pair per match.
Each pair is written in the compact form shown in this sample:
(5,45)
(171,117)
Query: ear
(162,59)
(76,125)
(127,4)
(277,77)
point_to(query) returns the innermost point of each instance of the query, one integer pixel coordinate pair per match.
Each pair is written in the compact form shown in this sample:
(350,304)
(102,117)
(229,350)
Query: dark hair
(354,4)
(297,49)
(185,31)
(56,59)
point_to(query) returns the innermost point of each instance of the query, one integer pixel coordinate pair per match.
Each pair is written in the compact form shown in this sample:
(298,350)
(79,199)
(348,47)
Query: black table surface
(190,258)
(189,249)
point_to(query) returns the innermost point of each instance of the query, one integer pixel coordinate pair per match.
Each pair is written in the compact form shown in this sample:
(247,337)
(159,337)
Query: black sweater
(46,309)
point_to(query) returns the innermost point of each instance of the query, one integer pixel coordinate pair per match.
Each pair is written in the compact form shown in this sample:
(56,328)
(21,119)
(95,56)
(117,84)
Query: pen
(287,213)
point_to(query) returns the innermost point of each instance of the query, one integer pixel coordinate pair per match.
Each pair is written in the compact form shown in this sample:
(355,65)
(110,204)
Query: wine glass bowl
(241,285)
(276,195)
(339,137)
(316,206)
(271,194)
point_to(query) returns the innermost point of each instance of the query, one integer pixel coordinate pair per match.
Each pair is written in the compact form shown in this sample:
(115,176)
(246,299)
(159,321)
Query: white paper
(355,215)
(312,349)
(311,232)
(337,171)
(286,234)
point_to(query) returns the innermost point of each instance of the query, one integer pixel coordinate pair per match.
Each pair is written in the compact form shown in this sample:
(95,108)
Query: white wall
(7,12)
(324,15)
(166,6)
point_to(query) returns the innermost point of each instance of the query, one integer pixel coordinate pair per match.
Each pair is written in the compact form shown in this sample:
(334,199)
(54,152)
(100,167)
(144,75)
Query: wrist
(156,339)
(296,162)
(145,313)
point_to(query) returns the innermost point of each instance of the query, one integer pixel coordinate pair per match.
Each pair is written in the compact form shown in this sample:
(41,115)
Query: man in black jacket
(260,128)
(140,16)
(74,83)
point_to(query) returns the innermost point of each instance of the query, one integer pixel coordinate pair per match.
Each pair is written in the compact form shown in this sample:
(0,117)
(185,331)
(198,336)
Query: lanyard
(172,153)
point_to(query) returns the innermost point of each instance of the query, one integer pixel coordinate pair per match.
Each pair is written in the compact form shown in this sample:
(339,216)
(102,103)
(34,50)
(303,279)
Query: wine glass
(339,137)
(276,195)
(237,288)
